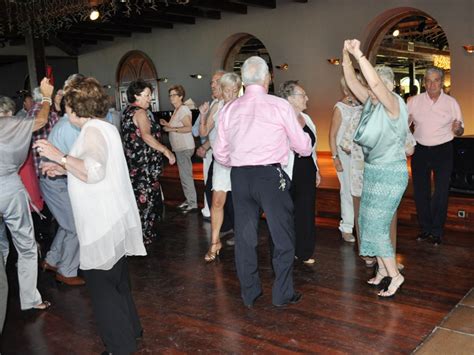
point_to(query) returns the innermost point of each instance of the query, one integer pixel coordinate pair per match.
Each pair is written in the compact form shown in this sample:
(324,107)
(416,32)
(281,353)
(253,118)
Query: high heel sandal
(395,285)
(379,280)
(213,255)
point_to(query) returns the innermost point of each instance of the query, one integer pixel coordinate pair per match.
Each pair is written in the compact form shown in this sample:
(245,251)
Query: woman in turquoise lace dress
(381,133)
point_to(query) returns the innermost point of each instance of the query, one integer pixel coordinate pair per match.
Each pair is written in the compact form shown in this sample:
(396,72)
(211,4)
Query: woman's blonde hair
(230,79)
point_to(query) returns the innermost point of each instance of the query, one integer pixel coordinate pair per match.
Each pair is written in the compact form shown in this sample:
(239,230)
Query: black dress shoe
(436,240)
(423,236)
(293,300)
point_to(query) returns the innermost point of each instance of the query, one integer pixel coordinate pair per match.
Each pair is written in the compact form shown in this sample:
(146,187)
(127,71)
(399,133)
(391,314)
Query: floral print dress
(145,165)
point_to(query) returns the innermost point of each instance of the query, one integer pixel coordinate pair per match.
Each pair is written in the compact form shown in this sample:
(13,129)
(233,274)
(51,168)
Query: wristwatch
(334,157)
(64,161)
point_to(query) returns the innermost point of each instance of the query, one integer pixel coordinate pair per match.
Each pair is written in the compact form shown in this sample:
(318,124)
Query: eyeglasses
(171,95)
(299,94)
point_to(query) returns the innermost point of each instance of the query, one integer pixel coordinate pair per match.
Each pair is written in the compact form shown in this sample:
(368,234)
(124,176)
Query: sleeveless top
(213,133)
(382,139)
(180,141)
(348,114)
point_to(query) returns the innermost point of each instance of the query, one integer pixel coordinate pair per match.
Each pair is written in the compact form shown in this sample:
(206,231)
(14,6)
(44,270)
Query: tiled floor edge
(425,339)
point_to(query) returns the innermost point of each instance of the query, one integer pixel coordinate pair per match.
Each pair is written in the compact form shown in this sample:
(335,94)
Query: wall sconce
(107,86)
(196,76)
(162,80)
(469,48)
(283,66)
(334,61)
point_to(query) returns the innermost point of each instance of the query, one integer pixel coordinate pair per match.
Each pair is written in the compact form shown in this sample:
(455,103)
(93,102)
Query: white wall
(302,35)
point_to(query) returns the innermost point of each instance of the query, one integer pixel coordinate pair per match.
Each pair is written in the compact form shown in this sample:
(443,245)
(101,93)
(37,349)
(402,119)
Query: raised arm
(359,90)
(41,116)
(380,90)
(208,124)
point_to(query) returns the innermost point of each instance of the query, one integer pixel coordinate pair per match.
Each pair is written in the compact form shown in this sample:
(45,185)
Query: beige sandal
(213,255)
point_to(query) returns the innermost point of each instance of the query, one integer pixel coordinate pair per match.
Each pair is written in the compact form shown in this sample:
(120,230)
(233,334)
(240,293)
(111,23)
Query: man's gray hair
(386,74)
(231,79)
(254,71)
(438,70)
(7,106)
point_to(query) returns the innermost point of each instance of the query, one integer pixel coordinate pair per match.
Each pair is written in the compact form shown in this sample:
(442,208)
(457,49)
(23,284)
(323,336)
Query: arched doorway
(238,48)
(409,40)
(132,66)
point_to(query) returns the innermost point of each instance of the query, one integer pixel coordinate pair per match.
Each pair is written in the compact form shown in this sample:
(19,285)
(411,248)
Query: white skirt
(221,178)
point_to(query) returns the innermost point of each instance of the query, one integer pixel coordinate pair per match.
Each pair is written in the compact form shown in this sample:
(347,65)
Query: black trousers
(303,192)
(113,307)
(254,188)
(228,222)
(432,208)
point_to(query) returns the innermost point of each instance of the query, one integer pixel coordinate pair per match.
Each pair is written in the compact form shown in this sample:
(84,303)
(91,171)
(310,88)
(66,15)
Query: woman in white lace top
(105,211)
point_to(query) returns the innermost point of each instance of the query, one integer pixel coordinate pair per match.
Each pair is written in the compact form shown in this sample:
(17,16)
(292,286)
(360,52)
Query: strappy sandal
(395,284)
(213,255)
(379,279)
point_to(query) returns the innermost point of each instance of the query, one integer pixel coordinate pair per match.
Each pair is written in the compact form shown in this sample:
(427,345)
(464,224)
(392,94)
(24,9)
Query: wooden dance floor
(187,306)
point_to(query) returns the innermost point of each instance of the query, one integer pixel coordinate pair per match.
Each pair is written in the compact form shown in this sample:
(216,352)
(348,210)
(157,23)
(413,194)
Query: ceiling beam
(80,36)
(65,47)
(269,4)
(148,22)
(93,31)
(222,5)
(165,18)
(191,11)
(110,26)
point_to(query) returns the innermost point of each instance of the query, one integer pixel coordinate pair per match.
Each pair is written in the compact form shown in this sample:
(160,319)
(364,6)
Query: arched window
(239,47)
(132,66)
(410,41)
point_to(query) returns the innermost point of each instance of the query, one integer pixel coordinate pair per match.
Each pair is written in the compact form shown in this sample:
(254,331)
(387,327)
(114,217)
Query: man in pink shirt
(255,133)
(437,119)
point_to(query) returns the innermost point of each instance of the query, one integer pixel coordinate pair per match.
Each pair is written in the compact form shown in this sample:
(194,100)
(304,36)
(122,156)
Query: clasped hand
(353,47)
